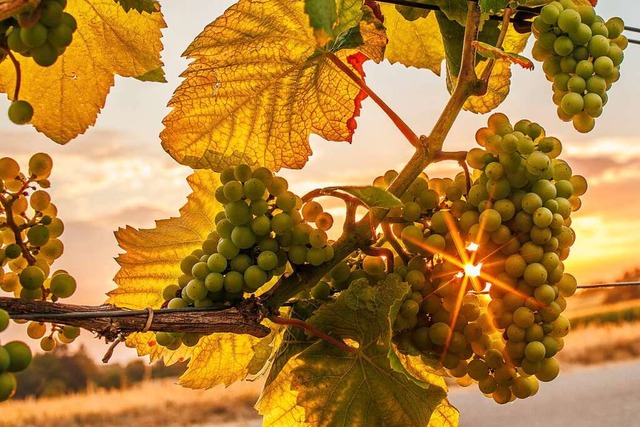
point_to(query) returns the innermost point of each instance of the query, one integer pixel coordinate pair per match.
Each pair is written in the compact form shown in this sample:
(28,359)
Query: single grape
(19,356)
(20,112)
(63,285)
(4,320)
(40,165)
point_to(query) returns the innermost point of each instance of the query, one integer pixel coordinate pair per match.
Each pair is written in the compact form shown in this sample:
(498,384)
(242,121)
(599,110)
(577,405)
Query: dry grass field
(156,403)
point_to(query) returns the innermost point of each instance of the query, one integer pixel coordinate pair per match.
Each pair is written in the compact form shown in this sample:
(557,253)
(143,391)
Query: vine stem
(17,235)
(393,241)
(290,321)
(486,74)
(400,124)
(16,65)
(461,158)
(360,236)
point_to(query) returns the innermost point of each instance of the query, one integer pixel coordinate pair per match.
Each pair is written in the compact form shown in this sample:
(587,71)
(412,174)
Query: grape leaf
(258,87)
(336,387)
(156,75)
(148,6)
(500,79)
(455,10)
(373,197)
(413,43)
(322,17)
(445,415)
(278,401)
(68,96)
(152,261)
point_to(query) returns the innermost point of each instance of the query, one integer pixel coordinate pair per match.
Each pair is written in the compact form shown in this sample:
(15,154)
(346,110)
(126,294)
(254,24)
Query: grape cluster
(26,212)
(15,356)
(512,229)
(42,34)
(263,230)
(581,55)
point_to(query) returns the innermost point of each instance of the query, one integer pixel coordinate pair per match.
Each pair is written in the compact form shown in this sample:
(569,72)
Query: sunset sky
(117,174)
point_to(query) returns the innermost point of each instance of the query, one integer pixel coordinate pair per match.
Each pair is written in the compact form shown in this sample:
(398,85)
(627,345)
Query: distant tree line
(63,371)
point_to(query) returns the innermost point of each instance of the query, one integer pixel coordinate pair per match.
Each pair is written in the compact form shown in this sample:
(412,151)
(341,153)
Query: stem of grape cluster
(290,321)
(16,65)
(486,74)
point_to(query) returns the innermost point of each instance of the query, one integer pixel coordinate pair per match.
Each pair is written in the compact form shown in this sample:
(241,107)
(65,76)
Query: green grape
(439,333)
(240,263)
(8,386)
(281,223)
(20,112)
(254,189)
(563,46)
(40,166)
(14,41)
(19,356)
(584,123)
(4,320)
(40,200)
(315,256)
(569,20)
(45,55)
(187,263)
(549,15)
(243,237)
(170,292)
(5,359)
(177,303)
(9,168)
(237,213)
(278,186)
(196,290)
(164,339)
(549,370)
(572,103)
(32,277)
(242,172)
(34,36)
(584,69)
(12,251)
(233,282)
(576,84)
(71,332)
(598,46)
(267,260)
(318,238)
(63,285)
(374,265)
(255,277)
(233,191)
(38,235)
(286,201)
(603,66)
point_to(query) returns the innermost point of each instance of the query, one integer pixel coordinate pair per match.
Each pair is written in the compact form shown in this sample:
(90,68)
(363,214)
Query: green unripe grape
(584,123)
(267,260)
(615,27)
(34,36)
(4,320)
(549,14)
(341,272)
(616,54)
(316,256)
(569,20)
(478,369)
(233,191)
(243,237)
(286,201)
(584,69)
(592,104)
(523,317)
(263,174)
(576,84)
(561,327)
(170,292)
(187,263)
(237,212)
(439,333)
(71,332)
(281,223)
(564,188)
(563,46)
(45,55)
(318,238)
(259,207)
(255,277)
(535,274)
(599,46)
(226,176)
(240,263)
(587,14)
(32,277)
(14,41)
(40,165)
(5,359)
(411,211)
(216,263)
(242,172)
(19,356)
(214,282)
(374,265)
(572,103)
(233,282)
(278,186)
(164,339)
(63,285)
(177,303)
(196,290)
(549,370)
(603,66)
(20,112)
(581,35)
(254,189)
(8,386)
(12,251)
(51,14)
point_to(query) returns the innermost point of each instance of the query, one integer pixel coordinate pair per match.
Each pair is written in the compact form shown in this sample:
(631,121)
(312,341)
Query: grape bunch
(15,356)
(510,232)
(43,34)
(30,244)
(581,55)
(263,230)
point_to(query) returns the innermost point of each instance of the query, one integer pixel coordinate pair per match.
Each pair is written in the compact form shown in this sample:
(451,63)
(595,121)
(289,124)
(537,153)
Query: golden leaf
(68,96)
(445,415)
(278,402)
(413,43)
(258,87)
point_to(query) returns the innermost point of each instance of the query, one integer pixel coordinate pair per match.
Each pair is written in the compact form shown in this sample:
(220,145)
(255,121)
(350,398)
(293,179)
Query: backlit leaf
(493,52)
(152,261)
(413,43)
(374,197)
(68,96)
(445,415)
(257,87)
(278,402)
(140,5)
(494,6)
(336,387)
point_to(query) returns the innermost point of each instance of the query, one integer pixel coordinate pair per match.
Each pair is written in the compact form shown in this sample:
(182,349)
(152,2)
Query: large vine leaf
(415,43)
(278,403)
(68,96)
(258,86)
(339,388)
(139,5)
(445,415)
(152,261)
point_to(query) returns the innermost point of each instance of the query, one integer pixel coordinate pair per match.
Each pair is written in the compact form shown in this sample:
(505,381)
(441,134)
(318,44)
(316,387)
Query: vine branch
(290,321)
(112,322)
(458,156)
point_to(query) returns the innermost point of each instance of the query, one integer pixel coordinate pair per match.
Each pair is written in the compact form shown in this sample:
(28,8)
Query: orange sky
(118,174)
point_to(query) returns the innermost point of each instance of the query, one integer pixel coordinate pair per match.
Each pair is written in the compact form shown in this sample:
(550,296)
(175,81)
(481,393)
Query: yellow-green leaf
(278,402)
(68,96)
(257,87)
(445,415)
(373,197)
(413,43)
(336,387)
(500,80)
(152,258)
